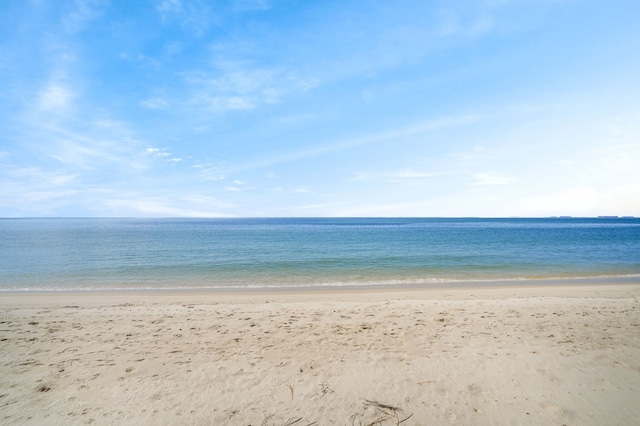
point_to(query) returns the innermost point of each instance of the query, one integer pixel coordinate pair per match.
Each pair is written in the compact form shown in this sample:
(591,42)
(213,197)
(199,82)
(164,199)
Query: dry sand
(546,355)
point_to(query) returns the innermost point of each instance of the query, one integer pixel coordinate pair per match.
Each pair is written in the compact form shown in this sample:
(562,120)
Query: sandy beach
(564,355)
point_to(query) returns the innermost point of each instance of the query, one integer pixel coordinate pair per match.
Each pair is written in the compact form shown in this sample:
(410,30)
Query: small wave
(388,283)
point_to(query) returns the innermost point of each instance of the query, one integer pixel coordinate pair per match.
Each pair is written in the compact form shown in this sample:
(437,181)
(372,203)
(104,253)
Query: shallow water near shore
(139,254)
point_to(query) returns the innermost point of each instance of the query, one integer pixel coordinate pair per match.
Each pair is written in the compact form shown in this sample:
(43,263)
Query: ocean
(147,254)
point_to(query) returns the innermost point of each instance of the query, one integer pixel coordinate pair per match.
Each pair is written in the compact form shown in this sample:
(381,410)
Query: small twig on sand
(378,421)
(388,410)
(324,389)
(290,386)
(381,405)
(406,418)
(292,421)
(266,419)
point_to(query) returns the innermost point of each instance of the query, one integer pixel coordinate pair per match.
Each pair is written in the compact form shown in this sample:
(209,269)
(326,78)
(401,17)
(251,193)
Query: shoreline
(563,354)
(441,285)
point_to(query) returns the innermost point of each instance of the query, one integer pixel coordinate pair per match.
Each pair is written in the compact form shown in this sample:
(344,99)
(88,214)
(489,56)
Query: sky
(289,108)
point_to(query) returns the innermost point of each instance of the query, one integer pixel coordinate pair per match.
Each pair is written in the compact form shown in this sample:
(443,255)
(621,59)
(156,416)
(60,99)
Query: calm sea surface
(92,254)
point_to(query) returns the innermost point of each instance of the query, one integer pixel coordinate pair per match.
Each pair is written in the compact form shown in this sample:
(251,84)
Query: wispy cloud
(155,103)
(209,171)
(291,189)
(391,135)
(582,200)
(235,86)
(162,154)
(197,16)
(99,143)
(81,13)
(238,186)
(386,38)
(55,97)
(239,79)
(491,178)
(193,16)
(162,206)
(403,176)
(36,175)
(34,190)
(226,103)
(452,22)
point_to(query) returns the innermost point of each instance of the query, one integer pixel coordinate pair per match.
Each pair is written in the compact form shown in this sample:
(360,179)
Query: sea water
(136,254)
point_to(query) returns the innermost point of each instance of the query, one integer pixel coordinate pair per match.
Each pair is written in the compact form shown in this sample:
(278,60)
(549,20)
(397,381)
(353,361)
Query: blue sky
(161,108)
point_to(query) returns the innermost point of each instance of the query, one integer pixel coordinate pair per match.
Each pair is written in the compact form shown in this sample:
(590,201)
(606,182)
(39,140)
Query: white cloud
(39,176)
(233,102)
(454,23)
(403,176)
(162,154)
(173,48)
(236,85)
(155,103)
(491,178)
(169,8)
(81,14)
(291,189)
(391,209)
(624,199)
(193,16)
(209,172)
(34,198)
(83,144)
(206,200)
(35,191)
(412,175)
(483,24)
(238,186)
(145,61)
(163,207)
(418,128)
(55,97)
(157,152)
(575,201)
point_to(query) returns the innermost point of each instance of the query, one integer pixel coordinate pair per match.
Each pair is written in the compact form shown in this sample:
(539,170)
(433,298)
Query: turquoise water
(72,254)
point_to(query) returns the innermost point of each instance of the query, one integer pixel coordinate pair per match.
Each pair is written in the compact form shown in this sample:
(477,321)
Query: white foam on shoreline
(383,284)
